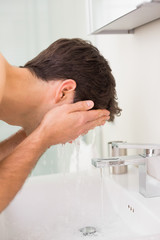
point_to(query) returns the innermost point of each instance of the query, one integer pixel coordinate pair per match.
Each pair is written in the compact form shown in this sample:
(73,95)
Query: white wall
(29,26)
(135,61)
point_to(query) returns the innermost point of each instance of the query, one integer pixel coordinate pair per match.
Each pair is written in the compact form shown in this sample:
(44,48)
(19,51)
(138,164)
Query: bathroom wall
(29,26)
(135,60)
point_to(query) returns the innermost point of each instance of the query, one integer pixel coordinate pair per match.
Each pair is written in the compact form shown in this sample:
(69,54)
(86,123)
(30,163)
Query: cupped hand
(66,122)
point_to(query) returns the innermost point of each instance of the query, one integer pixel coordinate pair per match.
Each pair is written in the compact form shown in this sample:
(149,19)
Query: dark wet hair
(79,60)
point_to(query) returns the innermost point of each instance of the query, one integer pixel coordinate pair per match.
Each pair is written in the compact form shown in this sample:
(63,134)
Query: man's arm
(8,145)
(15,168)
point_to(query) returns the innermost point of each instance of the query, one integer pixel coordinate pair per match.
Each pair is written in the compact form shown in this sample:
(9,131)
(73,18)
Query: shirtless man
(45,98)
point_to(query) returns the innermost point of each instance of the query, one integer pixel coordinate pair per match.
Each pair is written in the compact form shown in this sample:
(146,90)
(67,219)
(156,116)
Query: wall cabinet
(121,16)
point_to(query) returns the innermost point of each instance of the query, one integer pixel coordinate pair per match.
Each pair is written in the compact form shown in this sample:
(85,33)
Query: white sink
(56,207)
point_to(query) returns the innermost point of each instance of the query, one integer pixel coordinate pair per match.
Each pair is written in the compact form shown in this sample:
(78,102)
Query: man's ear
(65,91)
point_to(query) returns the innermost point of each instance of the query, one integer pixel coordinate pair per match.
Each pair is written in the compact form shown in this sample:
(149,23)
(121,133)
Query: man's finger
(94,115)
(92,124)
(87,105)
(81,106)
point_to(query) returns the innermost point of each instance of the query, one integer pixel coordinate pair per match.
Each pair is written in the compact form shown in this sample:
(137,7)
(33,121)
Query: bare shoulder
(2,75)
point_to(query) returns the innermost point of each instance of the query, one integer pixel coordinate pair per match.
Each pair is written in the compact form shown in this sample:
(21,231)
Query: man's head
(81,62)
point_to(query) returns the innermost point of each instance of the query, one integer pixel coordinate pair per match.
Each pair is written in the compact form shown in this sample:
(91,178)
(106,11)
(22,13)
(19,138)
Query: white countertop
(130,183)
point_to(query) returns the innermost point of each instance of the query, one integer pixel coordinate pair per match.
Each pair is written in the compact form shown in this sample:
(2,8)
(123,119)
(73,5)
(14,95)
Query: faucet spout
(148,186)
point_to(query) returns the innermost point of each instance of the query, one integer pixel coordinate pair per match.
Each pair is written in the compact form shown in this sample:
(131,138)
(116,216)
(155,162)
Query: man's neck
(23,99)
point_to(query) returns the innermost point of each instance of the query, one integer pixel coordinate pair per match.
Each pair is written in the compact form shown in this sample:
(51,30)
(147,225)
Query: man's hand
(65,123)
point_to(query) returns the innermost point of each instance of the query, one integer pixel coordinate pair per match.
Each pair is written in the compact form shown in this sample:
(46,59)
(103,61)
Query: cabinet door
(102,12)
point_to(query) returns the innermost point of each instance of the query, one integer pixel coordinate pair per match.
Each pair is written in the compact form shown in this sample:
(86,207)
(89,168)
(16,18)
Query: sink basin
(58,207)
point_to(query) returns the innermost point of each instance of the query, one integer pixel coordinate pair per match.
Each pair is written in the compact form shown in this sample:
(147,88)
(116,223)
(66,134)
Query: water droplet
(88,230)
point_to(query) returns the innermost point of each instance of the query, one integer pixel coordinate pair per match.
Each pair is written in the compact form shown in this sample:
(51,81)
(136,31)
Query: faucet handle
(136,146)
(118,161)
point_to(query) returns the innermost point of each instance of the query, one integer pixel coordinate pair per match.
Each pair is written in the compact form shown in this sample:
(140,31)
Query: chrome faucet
(148,186)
